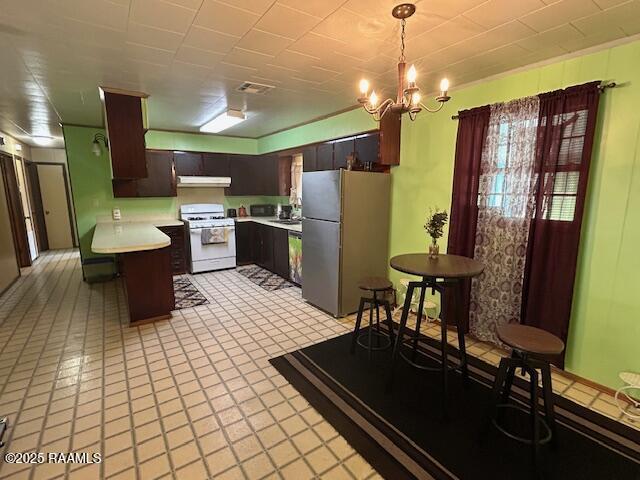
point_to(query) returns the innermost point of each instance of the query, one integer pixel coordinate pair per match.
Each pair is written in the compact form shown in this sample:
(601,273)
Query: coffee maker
(284,212)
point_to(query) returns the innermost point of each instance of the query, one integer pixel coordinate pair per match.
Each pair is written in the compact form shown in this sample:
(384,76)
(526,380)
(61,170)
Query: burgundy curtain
(563,152)
(472,132)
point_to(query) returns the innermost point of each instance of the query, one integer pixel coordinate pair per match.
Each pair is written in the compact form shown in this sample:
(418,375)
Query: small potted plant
(435,223)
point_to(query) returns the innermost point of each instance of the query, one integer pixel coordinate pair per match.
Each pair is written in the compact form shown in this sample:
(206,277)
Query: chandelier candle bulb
(373,99)
(444,87)
(364,87)
(411,76)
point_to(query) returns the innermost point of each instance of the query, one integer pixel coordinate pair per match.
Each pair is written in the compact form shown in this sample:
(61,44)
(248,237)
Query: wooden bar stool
(375,285)
(531,346)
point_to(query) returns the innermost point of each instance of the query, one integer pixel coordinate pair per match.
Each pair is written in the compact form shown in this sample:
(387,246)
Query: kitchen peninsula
(145,264)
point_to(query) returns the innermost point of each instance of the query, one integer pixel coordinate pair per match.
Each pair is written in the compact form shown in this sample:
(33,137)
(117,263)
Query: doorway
(16,211)
(54,192)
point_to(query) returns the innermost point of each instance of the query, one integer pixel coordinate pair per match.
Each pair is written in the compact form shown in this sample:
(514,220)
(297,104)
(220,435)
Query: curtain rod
(602,88)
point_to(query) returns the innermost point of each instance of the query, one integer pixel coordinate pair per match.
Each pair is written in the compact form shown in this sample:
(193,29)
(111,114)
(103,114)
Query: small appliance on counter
(284,212)
(262,210)
(242,211)
(232,213)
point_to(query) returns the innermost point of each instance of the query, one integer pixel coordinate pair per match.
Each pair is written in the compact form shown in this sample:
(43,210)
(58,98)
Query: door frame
(32,178)
(16,212)
(68,193)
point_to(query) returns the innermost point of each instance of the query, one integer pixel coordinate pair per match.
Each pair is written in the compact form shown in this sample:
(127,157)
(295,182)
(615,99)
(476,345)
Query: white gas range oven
(212,237)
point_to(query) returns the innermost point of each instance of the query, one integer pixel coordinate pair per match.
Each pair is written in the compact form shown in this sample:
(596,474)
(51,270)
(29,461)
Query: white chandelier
(408,98)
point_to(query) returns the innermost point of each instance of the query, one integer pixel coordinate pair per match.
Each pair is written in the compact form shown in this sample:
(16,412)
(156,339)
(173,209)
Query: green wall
(605,328)
(337,126)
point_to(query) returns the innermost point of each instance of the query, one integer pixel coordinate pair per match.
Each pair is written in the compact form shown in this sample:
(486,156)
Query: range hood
(211,182)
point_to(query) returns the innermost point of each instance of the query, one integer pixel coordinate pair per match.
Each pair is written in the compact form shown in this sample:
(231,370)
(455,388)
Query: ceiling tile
(287,22)
(148,54)
(449,33)
(604,4)
(624,16)
(559,13)
(315,74)
(294,60)
(248,58)
(553,37)
(160,14)
(153,37)
(205,39)
(225,18)
(192,4)
(596,38)
(101,12)
(254,6)
(264,42)
(200,57)
(319,8)
(316,45)
(495,12)
(341,25)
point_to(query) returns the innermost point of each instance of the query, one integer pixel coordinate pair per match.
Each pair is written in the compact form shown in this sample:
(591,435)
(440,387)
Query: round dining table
(438,274)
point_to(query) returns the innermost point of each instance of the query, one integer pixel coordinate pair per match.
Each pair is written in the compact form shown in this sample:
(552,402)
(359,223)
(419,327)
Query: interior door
(16,212)
(37,210)
(55,202)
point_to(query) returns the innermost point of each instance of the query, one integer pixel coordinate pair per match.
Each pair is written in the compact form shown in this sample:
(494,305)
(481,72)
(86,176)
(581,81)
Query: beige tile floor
(193,397)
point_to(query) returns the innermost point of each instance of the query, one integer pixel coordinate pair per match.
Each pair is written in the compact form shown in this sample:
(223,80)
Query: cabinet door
(215,164)
(266,178)
(241,169)
(124,188)
(281,252)
(188,163)
(125,130)
(367,148)
(284,176)
(267,245)
(309,159)
(341,149)
(161,176)
(178,252)
(324,156)
(244,243)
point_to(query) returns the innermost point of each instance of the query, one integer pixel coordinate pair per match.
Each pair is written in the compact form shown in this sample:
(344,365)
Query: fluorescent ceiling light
(41,139)
(223,121)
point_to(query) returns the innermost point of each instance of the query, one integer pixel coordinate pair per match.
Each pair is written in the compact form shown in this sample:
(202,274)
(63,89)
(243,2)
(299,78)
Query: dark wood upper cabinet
(284,176)
(125,130)
(161,178)
(309,159)
(341,149)
(324,156)
(367,148)
(188,163)
(390,139)
(244,179)
(215,164)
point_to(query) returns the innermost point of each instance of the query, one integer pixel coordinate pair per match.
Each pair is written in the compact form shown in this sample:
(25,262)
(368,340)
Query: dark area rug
(403,433)
(264,278)
(186,294)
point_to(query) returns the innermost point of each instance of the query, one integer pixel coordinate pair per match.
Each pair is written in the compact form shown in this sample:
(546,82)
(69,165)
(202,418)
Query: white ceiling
(191,55)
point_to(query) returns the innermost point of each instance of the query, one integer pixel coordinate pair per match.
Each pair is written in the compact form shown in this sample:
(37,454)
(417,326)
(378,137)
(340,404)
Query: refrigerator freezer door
(321,264)
(321,195)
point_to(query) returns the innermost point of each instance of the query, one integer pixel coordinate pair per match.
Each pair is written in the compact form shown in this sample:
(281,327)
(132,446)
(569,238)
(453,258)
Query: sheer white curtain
(506,200)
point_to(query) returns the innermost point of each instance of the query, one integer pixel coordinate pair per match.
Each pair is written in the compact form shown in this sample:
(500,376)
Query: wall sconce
(95,148)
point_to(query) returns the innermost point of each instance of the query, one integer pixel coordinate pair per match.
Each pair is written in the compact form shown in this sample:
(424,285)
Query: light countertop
(271,221)
(131,234)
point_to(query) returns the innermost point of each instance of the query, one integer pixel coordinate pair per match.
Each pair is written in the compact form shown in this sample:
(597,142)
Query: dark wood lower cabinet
(263,245)
(149,284)
(244,243)
(178,251)
(281,252)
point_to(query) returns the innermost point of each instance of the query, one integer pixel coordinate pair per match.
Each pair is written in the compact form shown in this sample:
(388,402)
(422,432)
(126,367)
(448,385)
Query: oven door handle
(200,229)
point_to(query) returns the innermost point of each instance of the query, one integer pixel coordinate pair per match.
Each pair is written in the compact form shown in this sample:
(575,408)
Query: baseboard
(10,284)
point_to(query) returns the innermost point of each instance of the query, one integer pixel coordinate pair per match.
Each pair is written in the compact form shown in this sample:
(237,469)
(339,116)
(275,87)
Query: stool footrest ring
(365,335)
(543,439)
